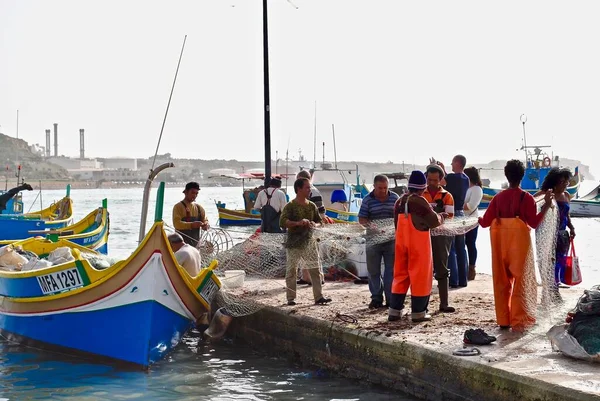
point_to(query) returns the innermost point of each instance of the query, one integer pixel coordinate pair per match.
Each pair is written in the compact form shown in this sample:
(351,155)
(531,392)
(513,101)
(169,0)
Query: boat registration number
(60,281)
(209,290)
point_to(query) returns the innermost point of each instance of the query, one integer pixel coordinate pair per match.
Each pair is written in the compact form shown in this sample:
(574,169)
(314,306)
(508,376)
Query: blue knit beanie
(417,180)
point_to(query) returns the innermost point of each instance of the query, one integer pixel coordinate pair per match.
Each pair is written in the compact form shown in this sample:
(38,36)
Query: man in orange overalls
(413,264)
(509,214)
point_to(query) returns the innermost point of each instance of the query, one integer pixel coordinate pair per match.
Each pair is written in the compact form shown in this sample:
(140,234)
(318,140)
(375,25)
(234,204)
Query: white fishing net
(263,255)
(545,246)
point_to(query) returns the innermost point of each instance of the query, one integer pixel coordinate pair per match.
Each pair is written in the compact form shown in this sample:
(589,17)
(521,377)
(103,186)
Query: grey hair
(175,238)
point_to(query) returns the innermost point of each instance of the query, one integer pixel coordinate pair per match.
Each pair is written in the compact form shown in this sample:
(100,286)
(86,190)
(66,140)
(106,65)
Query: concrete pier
(417,359)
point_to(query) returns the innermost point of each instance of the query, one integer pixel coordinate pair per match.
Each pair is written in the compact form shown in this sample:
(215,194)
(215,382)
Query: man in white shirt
(270,202)
(187,256)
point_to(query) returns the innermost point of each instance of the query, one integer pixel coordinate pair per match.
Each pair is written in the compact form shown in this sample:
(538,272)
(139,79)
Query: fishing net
(263,255)
(541,253)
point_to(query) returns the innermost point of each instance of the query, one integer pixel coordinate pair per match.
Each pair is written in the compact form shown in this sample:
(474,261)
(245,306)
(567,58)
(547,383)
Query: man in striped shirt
(379,204)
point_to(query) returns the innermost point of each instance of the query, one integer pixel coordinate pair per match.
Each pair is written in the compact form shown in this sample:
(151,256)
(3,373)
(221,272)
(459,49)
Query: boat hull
(135,311)
(339,216)
(91,232)
(229,217)
(489,193)
(17,226)
(585,208)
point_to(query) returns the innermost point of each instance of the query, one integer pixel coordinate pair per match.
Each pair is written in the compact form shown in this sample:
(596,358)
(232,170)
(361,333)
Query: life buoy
(547,161)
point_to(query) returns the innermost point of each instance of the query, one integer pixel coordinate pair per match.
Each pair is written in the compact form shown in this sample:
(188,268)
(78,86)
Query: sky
(400,80)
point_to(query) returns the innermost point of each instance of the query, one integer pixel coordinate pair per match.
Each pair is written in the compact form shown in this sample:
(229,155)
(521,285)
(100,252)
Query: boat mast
(315,139)
(523,119)
(334,150)
(266,94)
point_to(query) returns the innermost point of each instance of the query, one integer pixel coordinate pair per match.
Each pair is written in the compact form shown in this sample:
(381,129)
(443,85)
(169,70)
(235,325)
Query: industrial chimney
(81,144)
(47,143)
(55,140)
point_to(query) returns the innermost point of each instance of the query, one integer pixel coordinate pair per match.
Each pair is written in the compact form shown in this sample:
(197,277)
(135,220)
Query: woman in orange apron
(413,263)
(513,272)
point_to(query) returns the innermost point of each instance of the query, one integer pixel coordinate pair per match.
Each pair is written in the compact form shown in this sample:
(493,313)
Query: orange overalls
(515,287)
(413,266)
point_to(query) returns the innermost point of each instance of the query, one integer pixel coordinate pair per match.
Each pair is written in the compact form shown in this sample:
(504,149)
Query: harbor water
(194,370)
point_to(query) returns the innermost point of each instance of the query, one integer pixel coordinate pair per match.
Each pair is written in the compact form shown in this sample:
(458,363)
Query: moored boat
(134,311)
(588,205)
(14,224)
(90,232)
(537,165)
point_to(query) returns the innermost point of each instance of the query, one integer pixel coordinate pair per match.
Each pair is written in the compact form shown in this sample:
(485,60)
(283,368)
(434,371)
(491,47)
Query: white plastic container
(234,278)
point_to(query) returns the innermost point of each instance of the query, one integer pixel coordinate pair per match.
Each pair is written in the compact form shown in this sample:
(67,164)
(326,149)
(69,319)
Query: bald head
(176,241)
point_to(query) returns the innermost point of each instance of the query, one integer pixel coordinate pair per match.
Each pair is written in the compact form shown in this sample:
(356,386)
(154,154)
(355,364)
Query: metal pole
(315,139)
(334,149)
(153,173)
(523,119)
(266,93)
(41,203)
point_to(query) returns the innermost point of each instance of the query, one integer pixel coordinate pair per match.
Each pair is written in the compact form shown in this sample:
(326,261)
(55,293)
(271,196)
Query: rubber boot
(472,272)
(417,317)
(443,290)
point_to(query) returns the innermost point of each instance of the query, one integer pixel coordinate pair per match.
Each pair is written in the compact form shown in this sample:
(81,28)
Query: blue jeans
(377,286)
(470,239)
(457,260)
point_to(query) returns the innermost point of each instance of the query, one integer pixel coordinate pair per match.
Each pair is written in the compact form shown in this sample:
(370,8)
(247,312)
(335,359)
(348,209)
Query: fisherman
(270,201)
(8,195)
(509,214)
(414,217)
(187,256)
(457,183)
(188,216)
(315,197)
(300,217)
(377,205)
(441,201)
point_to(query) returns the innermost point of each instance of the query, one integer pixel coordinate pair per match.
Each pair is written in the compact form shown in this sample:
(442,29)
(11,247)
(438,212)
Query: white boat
(588,205)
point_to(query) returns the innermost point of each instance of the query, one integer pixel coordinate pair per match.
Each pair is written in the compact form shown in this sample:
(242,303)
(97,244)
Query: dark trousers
(457,261)
(440,247)
(417,304)
(377,285)
(470,239)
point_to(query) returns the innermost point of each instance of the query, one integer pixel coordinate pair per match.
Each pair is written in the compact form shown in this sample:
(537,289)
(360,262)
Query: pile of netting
(581,337)
(341,247)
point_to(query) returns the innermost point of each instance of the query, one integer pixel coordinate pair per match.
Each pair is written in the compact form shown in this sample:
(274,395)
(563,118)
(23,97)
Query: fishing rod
(169,102)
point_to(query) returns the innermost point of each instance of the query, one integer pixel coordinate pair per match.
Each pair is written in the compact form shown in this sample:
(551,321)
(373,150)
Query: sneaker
(301,282)
(323,301)
(375,304)
(476,337)
(291,303)
(492,338)
(392,318)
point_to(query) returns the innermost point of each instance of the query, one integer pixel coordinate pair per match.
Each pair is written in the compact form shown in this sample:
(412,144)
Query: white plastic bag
(10,258)
(60,255)
(36,264)
(562,341)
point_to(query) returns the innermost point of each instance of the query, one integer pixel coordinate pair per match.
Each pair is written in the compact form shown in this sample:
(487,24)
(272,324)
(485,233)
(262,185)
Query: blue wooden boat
(90,232)
(14,224)
(134,311)
(535,172)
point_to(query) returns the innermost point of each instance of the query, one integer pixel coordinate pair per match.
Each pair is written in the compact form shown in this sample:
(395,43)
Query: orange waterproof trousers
(515,287)
(413,263)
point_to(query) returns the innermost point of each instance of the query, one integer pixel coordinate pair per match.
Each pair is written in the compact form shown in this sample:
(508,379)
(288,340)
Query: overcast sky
(401,80)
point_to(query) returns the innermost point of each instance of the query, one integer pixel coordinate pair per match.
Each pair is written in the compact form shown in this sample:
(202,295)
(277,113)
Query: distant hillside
(190,169)
(33,166)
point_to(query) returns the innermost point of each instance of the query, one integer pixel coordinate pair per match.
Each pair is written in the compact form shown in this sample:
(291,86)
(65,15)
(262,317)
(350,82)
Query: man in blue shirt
(457,183)
(377,205)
